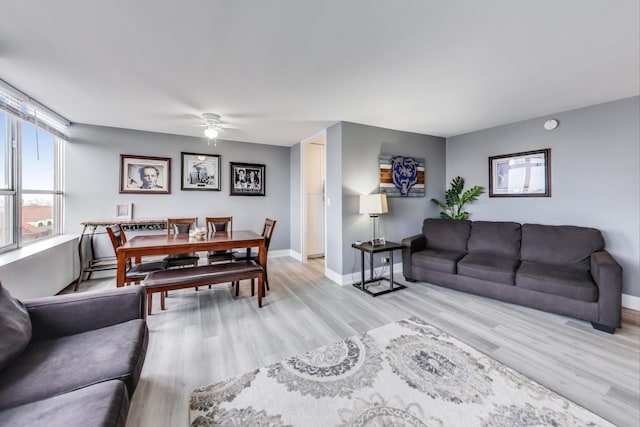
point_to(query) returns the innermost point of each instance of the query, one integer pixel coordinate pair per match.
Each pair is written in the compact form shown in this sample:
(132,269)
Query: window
(30,172)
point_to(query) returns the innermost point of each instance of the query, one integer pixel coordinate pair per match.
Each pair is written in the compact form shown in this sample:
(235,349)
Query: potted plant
(455,199)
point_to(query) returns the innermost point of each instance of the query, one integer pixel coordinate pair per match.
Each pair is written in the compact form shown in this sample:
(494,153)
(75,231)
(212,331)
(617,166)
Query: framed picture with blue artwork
(402,176)
(526,174)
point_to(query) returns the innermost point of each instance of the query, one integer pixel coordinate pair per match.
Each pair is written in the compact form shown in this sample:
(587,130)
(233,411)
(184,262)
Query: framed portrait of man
(200,172)
(145,174)
(247,179)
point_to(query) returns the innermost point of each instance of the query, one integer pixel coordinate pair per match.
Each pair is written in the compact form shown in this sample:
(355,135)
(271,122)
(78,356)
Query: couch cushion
(102,405)
(438,260)
(15,328)
(446,234)
(563,245)
(54,366)
(499,238)
(556,280)
(489,267)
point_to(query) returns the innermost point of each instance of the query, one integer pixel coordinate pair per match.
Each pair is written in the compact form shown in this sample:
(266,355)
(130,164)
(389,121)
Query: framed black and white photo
(247,179)
(526,174)
(145,174)
(200,172)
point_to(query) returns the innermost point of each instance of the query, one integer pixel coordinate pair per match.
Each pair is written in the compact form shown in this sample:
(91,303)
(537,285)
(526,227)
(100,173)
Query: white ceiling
(282,70)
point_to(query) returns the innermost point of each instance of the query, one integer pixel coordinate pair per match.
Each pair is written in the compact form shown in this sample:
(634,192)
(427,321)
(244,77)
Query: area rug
(404,373)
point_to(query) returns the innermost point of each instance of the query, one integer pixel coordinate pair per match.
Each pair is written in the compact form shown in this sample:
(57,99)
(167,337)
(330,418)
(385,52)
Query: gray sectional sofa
(560,269)
(71,360)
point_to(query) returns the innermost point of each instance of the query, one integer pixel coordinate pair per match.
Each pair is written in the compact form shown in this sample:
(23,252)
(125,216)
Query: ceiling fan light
(210,132)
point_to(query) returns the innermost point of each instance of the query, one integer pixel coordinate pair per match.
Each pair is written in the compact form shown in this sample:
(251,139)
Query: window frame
(14,190)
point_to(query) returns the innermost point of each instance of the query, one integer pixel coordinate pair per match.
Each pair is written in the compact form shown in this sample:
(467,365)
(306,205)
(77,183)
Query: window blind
(22,106)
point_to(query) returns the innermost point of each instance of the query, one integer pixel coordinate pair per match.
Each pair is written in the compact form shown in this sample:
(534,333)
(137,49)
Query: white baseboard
(629,301)
(284,252)
(348,279)
(333,276)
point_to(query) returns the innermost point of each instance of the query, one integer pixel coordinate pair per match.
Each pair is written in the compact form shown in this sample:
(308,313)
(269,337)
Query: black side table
(371,249)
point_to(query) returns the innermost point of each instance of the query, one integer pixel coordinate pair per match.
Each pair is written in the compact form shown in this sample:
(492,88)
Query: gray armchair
(82,361)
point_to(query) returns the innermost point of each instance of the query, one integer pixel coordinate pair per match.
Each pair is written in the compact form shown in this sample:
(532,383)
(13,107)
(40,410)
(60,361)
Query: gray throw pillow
(15,328)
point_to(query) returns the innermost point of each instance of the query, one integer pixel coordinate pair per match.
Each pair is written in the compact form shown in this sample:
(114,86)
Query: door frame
(320,136)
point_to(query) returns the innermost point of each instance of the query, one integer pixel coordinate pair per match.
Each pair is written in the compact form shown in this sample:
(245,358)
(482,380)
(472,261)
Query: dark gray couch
(560,269)
(81,360)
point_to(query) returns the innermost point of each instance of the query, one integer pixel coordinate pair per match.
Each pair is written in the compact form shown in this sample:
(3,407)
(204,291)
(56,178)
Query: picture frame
(200,172)
(380,241)
(402,176)
(145,174)
(124,211)
(247,179)
(525,174)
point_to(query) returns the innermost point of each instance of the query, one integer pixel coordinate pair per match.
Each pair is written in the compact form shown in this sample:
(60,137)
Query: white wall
(295,201)
(595,175)
(40,269)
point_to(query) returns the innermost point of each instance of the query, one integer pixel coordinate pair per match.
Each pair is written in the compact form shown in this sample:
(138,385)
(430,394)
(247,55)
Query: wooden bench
(191,277)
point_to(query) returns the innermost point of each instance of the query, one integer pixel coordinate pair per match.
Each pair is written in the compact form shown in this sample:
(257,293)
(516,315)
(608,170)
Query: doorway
(313,200)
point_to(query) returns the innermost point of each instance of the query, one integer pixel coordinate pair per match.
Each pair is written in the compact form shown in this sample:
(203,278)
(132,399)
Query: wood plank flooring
(209,335)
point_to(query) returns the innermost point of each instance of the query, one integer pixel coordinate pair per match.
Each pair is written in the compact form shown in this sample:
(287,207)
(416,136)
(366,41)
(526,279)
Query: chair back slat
(219,223)
(267,231)
(181,225)
(117,236)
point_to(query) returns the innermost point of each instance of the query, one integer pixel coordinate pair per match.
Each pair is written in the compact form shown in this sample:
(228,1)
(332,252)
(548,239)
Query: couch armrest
(607,274)
(70,314)
(415,243)
(411,244)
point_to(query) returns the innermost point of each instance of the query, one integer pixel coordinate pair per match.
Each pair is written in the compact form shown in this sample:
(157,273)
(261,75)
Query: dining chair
(250,255)
(219,223)
(181,226)
(134,272)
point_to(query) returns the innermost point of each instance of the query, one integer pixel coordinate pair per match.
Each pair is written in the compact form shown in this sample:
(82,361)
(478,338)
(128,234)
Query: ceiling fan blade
(227,126)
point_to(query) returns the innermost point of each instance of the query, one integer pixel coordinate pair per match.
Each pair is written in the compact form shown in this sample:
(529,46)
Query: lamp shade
(373,204)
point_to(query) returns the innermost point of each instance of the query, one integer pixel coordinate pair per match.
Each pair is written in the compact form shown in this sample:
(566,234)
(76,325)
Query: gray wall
(92,186)
(333,183)
(595,175)
(361,147)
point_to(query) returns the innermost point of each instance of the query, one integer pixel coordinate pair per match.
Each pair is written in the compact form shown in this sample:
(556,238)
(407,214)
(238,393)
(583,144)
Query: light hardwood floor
(210,335)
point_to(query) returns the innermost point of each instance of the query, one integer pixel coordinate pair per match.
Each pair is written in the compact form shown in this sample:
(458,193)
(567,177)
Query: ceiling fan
(212,124)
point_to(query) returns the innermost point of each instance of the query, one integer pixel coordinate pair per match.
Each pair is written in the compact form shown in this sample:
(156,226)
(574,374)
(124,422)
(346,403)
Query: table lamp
(374,205)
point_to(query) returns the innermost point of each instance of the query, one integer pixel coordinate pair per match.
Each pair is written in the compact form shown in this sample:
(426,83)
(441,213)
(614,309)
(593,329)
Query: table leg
(391,270)
(79,279)
(93,250)
(260,289)
(262,260)
(121,271)
(371,266)
(362,269)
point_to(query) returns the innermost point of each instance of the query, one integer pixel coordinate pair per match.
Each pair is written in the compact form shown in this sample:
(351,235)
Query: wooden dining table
(163,244)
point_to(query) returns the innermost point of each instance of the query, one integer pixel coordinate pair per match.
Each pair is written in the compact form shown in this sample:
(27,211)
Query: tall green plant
(455,199)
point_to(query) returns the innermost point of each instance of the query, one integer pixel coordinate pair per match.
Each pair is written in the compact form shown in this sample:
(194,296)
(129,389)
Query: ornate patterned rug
(403,373)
